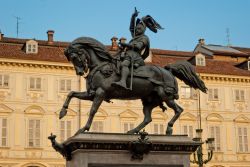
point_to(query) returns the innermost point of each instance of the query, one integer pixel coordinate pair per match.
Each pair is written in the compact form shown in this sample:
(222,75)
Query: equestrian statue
(126,77)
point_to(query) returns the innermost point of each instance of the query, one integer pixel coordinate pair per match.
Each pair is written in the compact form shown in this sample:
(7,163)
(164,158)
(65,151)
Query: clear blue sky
(185,21)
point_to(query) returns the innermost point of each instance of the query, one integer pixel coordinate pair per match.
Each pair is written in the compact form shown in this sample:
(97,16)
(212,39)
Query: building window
(200,61)
(4,81)
(3,132)
(65,130)
(65,85)
(215,133)
(158,128)
(188,130)
(31,46)
(239,95)
(35,83)
(213,94)
(188,93)
(97,126)
(185,92)
(128,126)
(248,65)
(243,139)
(34,133)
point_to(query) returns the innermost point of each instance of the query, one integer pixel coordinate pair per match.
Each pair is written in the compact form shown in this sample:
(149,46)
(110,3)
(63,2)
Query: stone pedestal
(124,150)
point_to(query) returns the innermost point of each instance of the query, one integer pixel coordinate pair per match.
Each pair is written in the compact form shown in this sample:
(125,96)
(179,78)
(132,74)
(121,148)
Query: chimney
(50,36)
(114,45)
(202,41)
(1,36)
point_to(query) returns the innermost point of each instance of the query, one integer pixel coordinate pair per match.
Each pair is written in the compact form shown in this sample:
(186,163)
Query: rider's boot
(124,76)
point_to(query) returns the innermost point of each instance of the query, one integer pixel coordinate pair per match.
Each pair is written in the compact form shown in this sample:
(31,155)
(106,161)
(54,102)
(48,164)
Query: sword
(132,61)
(131,73)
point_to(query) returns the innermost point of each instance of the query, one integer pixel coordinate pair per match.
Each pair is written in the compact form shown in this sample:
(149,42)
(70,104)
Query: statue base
(125,150)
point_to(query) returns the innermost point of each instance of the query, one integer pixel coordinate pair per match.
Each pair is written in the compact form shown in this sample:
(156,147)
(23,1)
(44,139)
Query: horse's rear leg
(147,110)
(177,110)
(98,99)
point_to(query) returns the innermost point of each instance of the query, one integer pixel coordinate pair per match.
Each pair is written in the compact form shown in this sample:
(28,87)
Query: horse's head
(79,58)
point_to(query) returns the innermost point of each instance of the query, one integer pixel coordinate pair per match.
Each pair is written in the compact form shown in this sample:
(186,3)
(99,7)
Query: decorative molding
(34,109)
(242,119)
(70,112)
(67,148)
(4,93)
(241,106)
(35,95)
(214,117)
(5,109)
(187,103)
(188,117)
(159,115)
(37,65)
(213,105)
(233,79)
(128,114)
(100,114)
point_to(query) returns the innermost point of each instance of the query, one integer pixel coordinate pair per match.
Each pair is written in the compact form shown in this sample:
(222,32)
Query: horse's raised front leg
(177,112)
(79,95)
(98,99)
(147,110)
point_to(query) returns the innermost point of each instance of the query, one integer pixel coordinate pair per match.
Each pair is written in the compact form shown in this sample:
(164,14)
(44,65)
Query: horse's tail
(186,72)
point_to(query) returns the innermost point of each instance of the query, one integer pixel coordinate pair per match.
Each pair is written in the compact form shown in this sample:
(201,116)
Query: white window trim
(31,47)
(213,94)
(188,130)
(65,131)
(159,124)
(193,93)
(98,130)
(7,129)
(240,96)
(35,82)
(3,79)
(65,85)
(41,134)
(238,142)
(215,139)
(129,126)
(197,62)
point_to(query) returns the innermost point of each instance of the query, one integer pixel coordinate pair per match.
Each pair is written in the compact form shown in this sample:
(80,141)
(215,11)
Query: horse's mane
(91,43)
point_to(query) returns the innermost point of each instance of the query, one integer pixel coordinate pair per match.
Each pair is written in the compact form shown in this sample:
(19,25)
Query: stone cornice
(36,64)
(225,78)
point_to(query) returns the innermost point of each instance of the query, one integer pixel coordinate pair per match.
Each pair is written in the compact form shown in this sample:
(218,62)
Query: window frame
(242,97)
(3,78)
(35,87)
(98,127)
(160,129)
(217,143)
(188,130)
(130,125)
(34,137)
(65,87)
(1,132)
(211,97)
(245,149)
(200,60)
(65,134)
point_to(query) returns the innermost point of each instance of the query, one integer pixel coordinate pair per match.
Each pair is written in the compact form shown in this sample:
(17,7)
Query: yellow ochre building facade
(35,79)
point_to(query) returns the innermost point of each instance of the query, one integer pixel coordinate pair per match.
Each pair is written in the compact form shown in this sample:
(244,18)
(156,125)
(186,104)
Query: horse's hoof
(169,131)
(63,112)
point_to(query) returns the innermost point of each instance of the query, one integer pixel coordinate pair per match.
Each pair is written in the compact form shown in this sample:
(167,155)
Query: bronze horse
(152,84)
